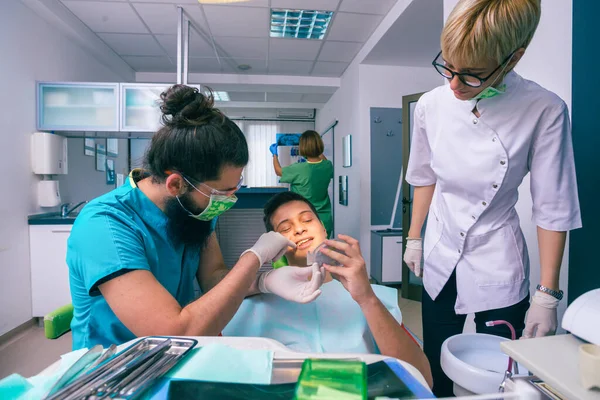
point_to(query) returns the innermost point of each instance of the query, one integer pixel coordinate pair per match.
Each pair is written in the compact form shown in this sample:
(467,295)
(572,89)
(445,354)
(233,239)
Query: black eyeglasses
(467,79)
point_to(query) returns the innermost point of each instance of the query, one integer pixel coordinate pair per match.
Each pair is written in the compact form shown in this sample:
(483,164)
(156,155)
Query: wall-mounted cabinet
(78,106)
(140,110)
(99,107)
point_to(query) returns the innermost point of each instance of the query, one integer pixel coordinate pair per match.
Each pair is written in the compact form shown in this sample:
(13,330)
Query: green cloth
(219,363)
(282,262)
(14,386)
(311,180)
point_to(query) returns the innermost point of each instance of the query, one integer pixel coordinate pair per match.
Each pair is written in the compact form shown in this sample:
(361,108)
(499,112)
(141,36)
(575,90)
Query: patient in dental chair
(350,315)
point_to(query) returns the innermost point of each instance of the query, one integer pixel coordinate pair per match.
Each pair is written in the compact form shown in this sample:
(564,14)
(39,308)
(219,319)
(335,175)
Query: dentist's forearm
(552,247)
(212,312)
(420,207)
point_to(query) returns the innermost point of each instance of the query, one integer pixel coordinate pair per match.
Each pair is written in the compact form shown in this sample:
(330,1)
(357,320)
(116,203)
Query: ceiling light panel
(299,24)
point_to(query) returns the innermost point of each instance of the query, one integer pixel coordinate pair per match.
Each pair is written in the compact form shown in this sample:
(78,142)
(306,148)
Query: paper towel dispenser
(49,154)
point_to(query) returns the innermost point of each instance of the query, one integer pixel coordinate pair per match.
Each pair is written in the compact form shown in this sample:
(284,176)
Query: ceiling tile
(380,7)
(290,67)
(339,51)
(160,18)
(132,44)
(245,3)
(150,64)
(319,5)
(107,17)
(353,27)
(204,65)
(316,98)
(284,97)
(242,47)
(323,68)
(198,46)
(259,66)
(238,21)
(294,49)
(247,96)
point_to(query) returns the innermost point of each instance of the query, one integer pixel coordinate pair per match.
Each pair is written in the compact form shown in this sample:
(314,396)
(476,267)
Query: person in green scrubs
(135,253)
(311,178)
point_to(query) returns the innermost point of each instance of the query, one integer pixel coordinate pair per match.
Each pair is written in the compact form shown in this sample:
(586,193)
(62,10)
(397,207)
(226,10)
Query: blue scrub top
(118,232)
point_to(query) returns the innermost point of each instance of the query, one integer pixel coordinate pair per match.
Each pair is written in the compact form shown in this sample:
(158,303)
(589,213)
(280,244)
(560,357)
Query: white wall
(382,86)
(31,50)
(344,107)
(547,61)
(84,182)
(363,87)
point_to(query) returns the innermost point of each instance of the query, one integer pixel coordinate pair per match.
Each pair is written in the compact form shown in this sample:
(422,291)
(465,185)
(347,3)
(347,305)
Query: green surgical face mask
(217,205)
(490,92)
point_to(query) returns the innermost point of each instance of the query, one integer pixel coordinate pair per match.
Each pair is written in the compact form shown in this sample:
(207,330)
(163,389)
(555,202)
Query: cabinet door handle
(60,231)
(400,242)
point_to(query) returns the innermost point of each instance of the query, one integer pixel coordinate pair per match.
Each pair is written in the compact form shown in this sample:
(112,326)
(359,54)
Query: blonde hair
(478,31)
(311,144)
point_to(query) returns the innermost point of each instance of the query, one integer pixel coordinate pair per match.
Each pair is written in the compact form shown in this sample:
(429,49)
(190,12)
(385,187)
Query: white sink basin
(475,363)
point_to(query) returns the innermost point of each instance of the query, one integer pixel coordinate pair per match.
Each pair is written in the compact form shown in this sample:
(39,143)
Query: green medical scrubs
(311,180)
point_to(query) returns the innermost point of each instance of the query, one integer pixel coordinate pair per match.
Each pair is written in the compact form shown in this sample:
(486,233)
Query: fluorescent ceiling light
(220,96)
(299,24)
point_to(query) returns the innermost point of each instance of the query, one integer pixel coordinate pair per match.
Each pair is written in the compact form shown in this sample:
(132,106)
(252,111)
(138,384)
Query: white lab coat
(477,165)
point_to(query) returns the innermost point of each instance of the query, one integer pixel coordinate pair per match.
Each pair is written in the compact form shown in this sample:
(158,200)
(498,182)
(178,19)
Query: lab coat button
(502,162)
(494,139)
(474,217)
(495,186)
(475,121)
(458,251)
(462,234)
(484,203)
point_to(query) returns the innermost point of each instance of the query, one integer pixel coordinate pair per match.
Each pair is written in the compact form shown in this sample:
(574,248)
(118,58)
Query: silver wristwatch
(556,294)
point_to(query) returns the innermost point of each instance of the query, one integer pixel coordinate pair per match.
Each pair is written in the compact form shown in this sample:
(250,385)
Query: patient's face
(296,221)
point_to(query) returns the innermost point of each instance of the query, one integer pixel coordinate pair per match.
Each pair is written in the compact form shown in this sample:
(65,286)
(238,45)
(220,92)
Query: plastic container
(317,257)
(332,379)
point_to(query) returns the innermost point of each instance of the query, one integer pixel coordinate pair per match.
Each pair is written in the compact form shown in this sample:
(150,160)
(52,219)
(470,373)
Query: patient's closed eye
(285,228)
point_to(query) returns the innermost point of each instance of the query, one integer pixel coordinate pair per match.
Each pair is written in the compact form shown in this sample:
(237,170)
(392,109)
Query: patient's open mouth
(304,243)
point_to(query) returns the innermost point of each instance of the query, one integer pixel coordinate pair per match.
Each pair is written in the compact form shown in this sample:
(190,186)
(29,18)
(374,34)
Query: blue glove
(273,149)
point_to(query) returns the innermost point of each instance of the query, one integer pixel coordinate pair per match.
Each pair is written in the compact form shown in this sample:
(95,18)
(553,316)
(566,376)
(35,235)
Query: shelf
(554,359)
(78,106)
(141,108)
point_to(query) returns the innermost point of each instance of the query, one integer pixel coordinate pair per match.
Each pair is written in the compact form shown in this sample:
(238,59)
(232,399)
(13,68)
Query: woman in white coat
(473,142)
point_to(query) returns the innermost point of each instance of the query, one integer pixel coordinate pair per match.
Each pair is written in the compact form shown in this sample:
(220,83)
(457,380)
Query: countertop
(54,218)
(388,232)
(261,190)
(554,359)
(51,218)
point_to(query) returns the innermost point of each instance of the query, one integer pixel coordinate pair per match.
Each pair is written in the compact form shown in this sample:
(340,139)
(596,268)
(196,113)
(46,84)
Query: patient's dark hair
(280,199)
(196,139)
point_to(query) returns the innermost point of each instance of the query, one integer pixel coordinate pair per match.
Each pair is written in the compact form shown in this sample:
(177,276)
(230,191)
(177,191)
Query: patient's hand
(353,272)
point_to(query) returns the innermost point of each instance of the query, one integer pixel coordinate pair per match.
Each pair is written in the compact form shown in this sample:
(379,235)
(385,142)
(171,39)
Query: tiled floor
(30,352)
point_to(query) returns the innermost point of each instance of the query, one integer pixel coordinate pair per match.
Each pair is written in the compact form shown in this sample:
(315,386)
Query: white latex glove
(270,246)
(541,318)
(413,254)
(291,283)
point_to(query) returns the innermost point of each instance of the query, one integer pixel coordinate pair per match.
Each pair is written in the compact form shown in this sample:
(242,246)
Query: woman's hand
(353,272)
